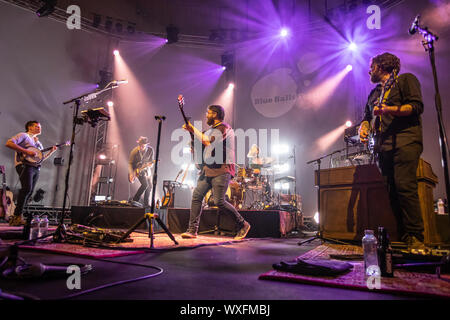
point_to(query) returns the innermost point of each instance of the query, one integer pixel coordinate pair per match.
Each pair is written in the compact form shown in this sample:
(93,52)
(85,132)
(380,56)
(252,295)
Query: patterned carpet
(404,282)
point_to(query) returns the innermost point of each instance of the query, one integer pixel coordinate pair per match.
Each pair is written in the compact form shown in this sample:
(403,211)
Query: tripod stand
(150,216)
(319,233)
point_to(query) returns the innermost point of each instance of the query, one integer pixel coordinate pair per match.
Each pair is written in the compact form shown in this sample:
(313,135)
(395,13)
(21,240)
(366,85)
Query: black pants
(399,168)
(145,189)
(28,176)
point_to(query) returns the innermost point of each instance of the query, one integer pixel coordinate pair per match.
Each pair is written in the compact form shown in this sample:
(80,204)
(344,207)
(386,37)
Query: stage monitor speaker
(182,196)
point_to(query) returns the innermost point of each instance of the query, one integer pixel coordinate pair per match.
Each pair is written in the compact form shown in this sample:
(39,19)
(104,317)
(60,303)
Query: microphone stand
(60,233)
(152,215)
(428,45)
(319,233)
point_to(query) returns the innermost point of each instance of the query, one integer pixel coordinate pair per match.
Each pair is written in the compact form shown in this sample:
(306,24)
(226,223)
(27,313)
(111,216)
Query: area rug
(404,282)
(140,244)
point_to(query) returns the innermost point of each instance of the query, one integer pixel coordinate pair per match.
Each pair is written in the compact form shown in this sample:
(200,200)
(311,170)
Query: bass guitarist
(28,172)
(398,142)
(139,165)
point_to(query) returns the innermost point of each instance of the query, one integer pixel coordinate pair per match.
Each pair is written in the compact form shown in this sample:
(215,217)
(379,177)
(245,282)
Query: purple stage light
(349,67)
(352,46)
(116,52)
(224,68)
(348,123)
(231,85)
(284,32)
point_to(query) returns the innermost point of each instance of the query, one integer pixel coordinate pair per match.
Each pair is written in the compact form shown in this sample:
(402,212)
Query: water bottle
(43,227)
(369,243)
(440,206)
(34,228)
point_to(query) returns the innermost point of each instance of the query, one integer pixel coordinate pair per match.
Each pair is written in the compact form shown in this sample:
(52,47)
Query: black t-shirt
(399,131)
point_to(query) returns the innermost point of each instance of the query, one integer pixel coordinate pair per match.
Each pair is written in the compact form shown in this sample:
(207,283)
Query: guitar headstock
(67,143)
(181,100)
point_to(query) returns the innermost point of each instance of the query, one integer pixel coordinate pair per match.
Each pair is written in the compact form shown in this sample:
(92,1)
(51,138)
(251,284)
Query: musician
(141,159)
(28,173)
(400,143)
(219,139)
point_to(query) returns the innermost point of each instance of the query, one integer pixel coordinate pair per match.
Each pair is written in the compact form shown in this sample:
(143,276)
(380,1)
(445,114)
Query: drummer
(255,161)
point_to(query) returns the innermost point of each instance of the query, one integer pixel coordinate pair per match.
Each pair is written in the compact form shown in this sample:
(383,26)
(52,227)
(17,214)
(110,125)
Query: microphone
(414,25)
(119,81)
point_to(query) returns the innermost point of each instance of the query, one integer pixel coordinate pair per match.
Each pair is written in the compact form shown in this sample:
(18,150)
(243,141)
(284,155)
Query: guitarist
(139,164)
(399,142)
(28,173)
(217,175)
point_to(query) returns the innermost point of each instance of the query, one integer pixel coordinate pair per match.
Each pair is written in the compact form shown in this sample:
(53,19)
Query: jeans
(399,168)
(28,176)
(145,189)
(219,187)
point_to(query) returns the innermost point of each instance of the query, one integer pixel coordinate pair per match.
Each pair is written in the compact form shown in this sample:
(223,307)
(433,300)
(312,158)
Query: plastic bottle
(369,243)
(43,226)
(440,206)
(34,227)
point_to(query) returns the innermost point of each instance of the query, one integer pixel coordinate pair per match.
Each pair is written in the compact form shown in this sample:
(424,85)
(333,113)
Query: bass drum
(234,195)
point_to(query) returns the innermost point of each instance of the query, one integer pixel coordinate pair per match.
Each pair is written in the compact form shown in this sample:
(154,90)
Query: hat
(142,140)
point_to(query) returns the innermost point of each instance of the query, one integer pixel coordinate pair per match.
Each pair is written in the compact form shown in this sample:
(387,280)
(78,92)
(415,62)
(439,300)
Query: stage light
(102,156)
(316,217)
(231,85)
(349,67)
(348,124)
(352,46)
(228,61)
(224,68)
(47,8)
(116,52)
(280,149)
(284,32)
(172,34)
(110,104)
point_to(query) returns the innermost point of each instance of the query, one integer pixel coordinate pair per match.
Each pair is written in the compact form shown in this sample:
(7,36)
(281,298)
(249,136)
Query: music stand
(149,216)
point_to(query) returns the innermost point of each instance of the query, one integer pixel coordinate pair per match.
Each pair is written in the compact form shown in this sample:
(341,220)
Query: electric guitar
(6,198)
(198,164)
(39,157)
(374,141)
(140,170)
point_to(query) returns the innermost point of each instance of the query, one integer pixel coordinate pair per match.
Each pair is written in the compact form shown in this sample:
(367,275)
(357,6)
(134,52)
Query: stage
(265,224)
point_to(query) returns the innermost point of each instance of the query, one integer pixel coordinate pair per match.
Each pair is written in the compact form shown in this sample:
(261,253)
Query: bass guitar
(374,141)
(198,164)
(39,157)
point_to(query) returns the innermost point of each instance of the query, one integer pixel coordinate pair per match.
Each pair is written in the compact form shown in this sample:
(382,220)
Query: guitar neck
(49,148)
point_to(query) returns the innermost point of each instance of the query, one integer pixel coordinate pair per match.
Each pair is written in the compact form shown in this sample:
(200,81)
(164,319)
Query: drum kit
(251,188)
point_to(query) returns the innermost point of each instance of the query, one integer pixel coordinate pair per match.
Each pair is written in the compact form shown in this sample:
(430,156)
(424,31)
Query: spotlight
(108,24)
(348,124)
(224,68)
(119,27)
(110,104)
(349,67)
(228,61)
(116,52)
(102,156)
(97,20)
(47,8)
(316,217)
(172,33)
(284,32)
(352,46)
(231,85)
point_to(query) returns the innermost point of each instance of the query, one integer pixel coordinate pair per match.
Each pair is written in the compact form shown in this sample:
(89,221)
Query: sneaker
(243,232)
(414,243)
(16,221)
(189,235)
